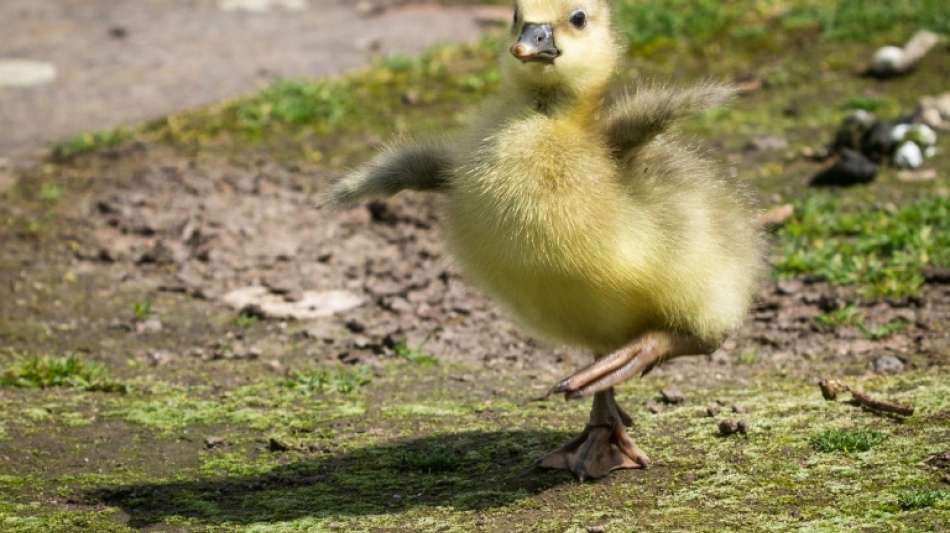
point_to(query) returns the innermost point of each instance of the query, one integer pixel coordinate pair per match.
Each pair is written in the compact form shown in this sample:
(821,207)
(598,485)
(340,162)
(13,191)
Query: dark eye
(579,19)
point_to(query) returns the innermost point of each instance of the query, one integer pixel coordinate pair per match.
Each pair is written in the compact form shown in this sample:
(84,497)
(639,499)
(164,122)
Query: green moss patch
(848,441)
(44,372)
(921,499)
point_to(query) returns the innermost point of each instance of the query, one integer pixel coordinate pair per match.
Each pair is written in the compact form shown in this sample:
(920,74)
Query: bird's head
(562,45)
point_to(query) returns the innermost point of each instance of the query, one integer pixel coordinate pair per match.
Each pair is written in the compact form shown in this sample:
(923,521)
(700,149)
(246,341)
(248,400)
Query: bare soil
(167,227)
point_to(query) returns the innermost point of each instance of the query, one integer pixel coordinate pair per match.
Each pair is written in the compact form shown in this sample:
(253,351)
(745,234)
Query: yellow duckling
(582,217)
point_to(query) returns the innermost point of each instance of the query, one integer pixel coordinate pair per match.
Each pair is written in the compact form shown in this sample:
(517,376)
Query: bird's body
(590,250)
(589,221)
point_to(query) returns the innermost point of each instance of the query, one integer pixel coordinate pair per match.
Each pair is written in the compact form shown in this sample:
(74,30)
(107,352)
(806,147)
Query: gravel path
(119,62)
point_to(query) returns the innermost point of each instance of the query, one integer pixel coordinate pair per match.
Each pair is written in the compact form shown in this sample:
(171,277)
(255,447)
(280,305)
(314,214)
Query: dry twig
(830,388)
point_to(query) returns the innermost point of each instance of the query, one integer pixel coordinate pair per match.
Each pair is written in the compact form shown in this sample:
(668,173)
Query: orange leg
(604,445)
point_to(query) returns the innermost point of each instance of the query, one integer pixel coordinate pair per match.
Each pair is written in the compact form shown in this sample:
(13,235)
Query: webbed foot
(602,447)
(596,452)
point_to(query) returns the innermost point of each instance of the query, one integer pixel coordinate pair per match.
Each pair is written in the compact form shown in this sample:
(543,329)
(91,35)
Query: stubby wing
(420,167)
(637,116)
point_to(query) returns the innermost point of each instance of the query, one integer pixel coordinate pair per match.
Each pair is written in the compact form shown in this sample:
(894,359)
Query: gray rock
(672,396)
(731,427)
(887,364)
(878,142)
(766,143)
(852,129)
(851,168)
(151,325)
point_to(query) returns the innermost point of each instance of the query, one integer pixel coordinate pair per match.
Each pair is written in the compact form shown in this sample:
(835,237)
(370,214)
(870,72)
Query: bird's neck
(556,102)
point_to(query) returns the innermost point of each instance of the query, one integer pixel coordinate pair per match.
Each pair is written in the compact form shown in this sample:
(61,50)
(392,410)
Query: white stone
(908,155)
(312,305)
(919,45)
(923,135)
(25,73)
(262,6)
(888,60)
(899,132)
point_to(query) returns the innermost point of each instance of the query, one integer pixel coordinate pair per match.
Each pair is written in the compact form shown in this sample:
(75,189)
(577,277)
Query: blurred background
(189,341)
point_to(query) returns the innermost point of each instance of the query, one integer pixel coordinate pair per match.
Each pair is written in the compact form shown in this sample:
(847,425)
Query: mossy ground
(416,450)
(414,442)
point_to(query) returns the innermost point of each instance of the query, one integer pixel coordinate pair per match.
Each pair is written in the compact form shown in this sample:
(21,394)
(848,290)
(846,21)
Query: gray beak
(536,43)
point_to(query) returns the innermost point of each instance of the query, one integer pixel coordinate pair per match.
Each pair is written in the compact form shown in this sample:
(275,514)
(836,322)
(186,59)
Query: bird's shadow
(465,471)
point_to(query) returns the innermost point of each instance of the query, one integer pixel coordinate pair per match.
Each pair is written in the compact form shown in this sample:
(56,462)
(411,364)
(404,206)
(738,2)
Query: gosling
(582,215)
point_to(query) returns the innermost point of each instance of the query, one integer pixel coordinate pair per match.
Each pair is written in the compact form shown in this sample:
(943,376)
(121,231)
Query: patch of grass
(430,460)
(882,106)
(921,499)
(848,315)
(301,117)
(89,142)
(142,310)
(245,320)
(69,371)
(414,355)
(343,380)
(882,249)
(649,23)
(860,19)
(885,330)
(320,105)
(747,357)
(837,440)
(51,192)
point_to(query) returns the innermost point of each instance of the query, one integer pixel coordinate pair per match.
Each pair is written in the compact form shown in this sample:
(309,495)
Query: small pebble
(151,325)
(713,410)
(214,442)
(596,529)
(922,134)
(654,407)
(275,366)
(909,155)
(877,143)
(899,132)
(731,427)
(275,445)
(851,168)
(887,61)
(740,409)
(25,73)
(160,357)
(672,396)
(887,364)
